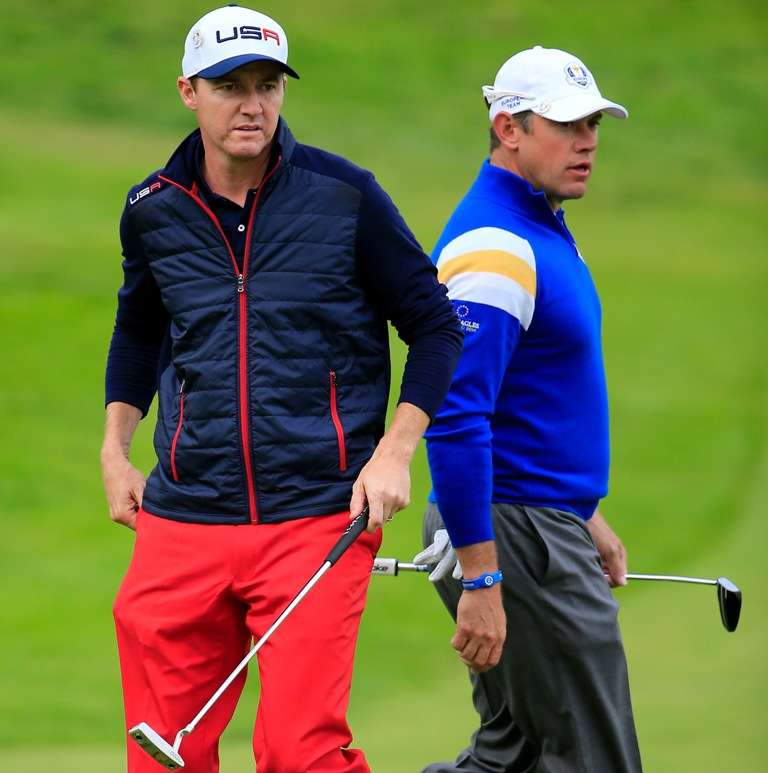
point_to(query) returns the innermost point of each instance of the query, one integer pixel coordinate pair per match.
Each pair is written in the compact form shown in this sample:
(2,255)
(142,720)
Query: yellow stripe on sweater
(493,261)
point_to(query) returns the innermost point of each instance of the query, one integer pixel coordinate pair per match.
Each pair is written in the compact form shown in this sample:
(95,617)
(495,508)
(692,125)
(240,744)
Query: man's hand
(481,628)
(611,550)
(385,481)
(124,487)
(385,484)
(481,625)
(123,483)
(442,556)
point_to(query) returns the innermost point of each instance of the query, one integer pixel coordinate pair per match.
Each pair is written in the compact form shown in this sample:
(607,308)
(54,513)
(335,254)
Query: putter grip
(352,532)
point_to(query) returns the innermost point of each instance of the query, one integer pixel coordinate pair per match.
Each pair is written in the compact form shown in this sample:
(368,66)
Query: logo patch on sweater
(467,325)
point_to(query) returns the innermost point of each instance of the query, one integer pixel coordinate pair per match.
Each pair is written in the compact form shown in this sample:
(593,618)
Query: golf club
(728,594)
(162,751)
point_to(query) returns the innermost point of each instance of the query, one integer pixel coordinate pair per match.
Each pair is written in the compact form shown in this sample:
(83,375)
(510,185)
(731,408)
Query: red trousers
(192,599)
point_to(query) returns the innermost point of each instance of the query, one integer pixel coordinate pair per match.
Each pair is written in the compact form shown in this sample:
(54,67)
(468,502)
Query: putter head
(729,599)
(156,746)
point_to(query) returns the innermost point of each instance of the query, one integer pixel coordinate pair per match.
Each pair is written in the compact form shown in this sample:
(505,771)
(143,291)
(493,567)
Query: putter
(728,595)
(168,755)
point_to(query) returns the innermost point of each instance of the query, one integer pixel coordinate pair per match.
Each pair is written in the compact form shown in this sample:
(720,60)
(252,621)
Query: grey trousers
(558,702)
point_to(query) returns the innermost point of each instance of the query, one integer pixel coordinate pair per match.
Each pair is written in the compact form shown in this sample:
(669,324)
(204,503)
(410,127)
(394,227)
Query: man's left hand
(611,550)
(385,485)
(441,556)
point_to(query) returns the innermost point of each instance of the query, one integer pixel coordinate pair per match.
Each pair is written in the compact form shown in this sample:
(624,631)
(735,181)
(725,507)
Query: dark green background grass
(673,228)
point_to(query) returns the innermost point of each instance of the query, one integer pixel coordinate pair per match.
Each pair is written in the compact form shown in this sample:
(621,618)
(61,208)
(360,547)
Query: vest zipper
(174,442)
(337,423)
(240,278)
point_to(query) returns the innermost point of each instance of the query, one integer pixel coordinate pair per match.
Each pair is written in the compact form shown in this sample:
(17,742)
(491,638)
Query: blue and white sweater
(526,418)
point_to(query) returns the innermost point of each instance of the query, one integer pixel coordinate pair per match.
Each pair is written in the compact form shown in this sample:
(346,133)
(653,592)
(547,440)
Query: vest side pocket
(174,442)
(337,422)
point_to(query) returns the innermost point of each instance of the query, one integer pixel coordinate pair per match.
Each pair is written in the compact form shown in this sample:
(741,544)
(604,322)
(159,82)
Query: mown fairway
(673,228)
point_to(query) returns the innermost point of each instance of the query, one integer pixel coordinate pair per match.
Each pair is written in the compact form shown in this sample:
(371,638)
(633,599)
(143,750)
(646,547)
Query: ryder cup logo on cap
(230,37)
(576,73)
(548,82)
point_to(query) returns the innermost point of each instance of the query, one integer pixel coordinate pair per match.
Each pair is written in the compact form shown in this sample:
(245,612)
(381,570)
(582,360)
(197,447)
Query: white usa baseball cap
(549,82)
(230,37)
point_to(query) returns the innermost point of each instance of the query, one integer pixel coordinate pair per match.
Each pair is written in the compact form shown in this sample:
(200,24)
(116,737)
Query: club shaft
(672,578)
(256,647)
(392,566)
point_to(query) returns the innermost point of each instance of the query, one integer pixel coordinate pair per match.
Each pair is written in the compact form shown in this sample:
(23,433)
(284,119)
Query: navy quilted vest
(277,386)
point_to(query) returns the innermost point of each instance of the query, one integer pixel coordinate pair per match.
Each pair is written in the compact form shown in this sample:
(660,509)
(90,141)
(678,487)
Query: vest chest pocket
(174,442)
(337,422)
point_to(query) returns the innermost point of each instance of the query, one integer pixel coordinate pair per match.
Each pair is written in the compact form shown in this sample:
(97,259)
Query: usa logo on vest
(247,32)
(143,192)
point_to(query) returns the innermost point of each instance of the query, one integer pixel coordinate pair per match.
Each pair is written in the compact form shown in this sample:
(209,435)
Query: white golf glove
(440,552)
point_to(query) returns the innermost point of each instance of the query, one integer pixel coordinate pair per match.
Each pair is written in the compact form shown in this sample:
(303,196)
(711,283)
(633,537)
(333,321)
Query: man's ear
(187,92)
(508,130)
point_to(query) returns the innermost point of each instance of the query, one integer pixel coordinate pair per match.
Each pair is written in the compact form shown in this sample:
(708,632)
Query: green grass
(673,229)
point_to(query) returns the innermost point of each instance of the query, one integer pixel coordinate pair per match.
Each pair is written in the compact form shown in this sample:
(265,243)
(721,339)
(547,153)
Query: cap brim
(227,65)
(580,106)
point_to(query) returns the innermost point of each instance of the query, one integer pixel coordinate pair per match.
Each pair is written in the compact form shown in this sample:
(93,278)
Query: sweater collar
(514,192)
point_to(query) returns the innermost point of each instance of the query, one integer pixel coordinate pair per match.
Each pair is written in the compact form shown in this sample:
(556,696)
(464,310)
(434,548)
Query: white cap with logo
(230,37)
(549,82)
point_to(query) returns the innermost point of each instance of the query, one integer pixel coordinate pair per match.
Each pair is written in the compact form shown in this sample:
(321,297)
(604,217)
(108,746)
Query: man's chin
(245,151)
(572,192)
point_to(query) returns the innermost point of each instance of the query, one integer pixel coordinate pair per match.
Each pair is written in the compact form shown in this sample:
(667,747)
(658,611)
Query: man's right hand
(124,487)
(481,628)
(123,483)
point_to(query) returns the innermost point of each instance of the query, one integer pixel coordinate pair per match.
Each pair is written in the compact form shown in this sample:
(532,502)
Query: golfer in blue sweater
(519,450)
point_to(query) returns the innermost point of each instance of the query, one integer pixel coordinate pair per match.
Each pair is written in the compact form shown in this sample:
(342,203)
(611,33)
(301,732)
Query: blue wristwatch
(486,580)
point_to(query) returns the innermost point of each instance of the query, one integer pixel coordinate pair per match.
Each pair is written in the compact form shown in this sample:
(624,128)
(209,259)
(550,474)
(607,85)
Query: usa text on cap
(230,37)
